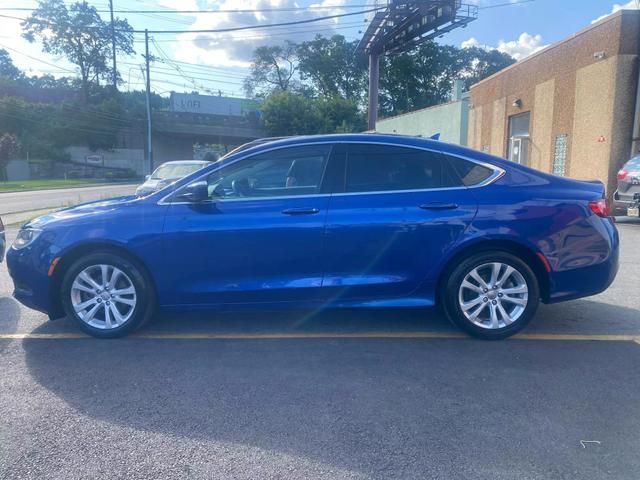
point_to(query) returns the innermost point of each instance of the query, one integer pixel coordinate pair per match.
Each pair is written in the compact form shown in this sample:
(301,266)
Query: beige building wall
(593,120)
(541,142)
(475,128)
(498,125)
(583,87)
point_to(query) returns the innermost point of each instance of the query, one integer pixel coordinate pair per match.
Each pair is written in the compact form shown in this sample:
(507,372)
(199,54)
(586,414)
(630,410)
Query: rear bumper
(589,280)
(622,201)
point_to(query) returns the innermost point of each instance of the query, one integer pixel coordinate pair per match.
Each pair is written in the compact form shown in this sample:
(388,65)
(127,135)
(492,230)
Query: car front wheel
(491,295)
(107,295)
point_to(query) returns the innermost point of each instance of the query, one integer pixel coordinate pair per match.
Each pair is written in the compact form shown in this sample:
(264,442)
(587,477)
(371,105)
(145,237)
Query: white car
(168,173)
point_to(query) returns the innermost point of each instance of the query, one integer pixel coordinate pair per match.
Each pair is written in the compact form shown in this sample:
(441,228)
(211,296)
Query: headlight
(25,237)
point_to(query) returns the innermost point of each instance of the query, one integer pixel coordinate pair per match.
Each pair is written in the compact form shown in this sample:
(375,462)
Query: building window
(560,155)
(518,146)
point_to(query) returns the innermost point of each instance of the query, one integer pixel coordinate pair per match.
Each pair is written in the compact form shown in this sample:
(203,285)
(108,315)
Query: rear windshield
(633,164)
(176,170)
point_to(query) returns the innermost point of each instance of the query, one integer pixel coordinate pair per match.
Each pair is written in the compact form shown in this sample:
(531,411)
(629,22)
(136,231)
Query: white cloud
(631,5)
(234,49)
(471,42)
(524,46)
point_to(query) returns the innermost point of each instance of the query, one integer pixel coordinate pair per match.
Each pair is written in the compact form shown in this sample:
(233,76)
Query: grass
(45,184)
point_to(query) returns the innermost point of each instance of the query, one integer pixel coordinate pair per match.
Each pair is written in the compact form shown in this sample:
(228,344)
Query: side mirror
(147,177)
(196,192)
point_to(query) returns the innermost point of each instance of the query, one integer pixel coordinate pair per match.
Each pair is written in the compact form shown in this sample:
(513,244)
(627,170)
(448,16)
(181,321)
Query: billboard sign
(212,105)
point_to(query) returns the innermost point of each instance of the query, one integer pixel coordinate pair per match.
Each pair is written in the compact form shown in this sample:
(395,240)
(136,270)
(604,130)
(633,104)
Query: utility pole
(113,47)
(374,78)
(148,95)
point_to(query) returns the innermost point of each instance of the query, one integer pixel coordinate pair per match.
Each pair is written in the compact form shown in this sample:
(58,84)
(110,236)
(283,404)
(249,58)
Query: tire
(512,311)
(130,301)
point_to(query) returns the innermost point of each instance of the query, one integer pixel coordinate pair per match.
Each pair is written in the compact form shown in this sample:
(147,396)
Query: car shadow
(9,318)
(340,402)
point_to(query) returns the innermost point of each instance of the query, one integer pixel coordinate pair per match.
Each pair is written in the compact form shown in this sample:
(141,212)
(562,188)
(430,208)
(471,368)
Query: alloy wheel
(493,295)
(103,296)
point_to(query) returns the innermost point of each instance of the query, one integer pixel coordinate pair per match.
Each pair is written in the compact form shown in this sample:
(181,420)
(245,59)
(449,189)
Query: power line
(231,29)
(510,4)
(246,10)
(269,25)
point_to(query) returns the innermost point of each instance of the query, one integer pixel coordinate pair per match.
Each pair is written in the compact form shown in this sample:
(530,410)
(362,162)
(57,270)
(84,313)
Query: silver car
(628,192)
(2,240)
(167,173)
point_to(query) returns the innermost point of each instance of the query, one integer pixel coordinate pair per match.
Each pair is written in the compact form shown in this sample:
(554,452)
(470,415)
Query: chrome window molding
(498,172)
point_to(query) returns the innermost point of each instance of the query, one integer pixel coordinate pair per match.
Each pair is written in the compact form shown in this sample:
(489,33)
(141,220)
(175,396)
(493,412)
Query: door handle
(438,206)
(300,211)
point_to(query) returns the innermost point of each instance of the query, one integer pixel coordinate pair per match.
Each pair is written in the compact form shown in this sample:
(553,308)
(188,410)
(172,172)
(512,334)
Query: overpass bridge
(175,133)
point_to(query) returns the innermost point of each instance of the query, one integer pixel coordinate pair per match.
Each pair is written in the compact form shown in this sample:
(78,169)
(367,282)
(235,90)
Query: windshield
(175,170)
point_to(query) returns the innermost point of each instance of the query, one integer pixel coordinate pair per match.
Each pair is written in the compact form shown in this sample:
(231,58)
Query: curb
(67,187)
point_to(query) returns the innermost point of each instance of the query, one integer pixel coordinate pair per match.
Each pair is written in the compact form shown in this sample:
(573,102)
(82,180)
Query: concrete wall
(132,158)
(450,120)
(583,87)
(18,170)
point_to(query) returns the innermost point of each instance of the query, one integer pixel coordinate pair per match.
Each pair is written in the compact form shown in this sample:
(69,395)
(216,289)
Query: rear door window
(376,168)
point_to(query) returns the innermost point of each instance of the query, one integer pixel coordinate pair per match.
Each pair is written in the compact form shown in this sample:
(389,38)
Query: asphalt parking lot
(327,395)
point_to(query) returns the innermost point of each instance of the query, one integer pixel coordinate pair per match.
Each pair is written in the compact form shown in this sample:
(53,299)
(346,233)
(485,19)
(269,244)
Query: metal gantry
(403,25)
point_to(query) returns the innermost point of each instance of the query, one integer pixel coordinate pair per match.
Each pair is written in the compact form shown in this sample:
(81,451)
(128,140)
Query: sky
(217,63)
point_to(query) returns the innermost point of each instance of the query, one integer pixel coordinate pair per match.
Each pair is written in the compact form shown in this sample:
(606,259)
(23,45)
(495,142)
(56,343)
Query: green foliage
(272,68)
(289,113)
(332,67)
(329,68)
(425,76)
(79,33)
(8,71)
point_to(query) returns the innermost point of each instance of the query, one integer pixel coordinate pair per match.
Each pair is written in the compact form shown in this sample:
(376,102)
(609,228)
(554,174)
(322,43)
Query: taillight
(600,207)
(622,174)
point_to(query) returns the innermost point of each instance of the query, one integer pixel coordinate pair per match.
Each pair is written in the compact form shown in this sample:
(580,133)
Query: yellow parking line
(321,335)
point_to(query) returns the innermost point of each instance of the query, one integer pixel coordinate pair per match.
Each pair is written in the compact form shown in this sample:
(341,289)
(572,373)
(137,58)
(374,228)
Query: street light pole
(148,96)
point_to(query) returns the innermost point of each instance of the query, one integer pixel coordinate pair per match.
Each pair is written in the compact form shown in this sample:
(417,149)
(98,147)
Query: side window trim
(498,172)
(169,199)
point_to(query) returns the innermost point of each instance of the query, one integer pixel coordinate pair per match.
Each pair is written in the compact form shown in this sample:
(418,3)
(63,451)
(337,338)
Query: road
(327,395)
(12,202)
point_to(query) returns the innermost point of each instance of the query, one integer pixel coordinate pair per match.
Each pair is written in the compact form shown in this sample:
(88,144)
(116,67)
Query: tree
(290,113)
(8,71)
(424,77)
(272,68)
(79,33)
(9,148)
(332,67)
(481,63)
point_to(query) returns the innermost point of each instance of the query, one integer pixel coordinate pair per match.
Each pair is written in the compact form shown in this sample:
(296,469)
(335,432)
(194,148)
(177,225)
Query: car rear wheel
(491,295)
(107,296)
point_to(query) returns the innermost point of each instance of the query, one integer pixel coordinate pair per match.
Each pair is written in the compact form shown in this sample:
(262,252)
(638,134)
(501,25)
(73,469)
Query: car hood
(88,210)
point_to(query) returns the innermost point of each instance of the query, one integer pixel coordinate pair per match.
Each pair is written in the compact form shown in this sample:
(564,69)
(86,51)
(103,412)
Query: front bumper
(28,270)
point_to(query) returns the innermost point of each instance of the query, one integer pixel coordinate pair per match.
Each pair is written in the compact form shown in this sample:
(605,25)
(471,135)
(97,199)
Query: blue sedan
(327,221)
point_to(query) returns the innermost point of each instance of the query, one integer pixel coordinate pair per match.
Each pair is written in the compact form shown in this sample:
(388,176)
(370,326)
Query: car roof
(184,162)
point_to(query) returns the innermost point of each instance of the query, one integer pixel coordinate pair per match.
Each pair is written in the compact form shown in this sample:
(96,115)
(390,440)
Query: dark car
(365,221)
(627,196)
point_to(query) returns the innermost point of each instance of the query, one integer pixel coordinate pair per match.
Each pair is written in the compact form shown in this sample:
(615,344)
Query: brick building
(571,109)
